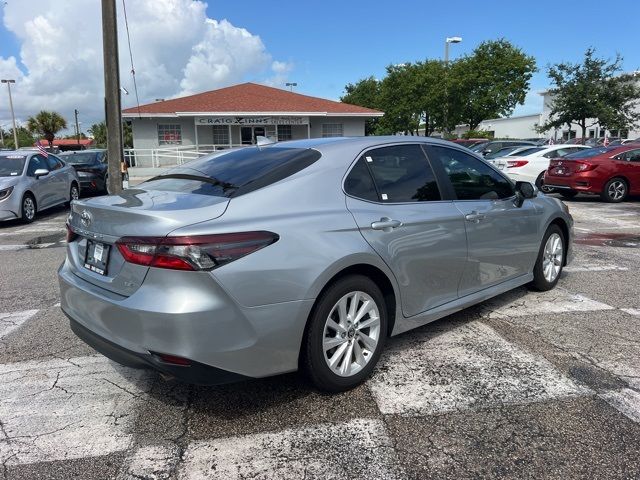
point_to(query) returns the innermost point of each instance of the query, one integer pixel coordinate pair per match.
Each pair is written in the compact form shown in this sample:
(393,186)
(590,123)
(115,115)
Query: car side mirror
(41,172)
(524,190)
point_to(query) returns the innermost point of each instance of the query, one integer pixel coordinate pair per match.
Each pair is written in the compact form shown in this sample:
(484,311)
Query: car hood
(6,182)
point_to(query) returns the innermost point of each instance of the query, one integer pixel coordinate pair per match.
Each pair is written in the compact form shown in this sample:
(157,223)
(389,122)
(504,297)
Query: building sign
(252,121)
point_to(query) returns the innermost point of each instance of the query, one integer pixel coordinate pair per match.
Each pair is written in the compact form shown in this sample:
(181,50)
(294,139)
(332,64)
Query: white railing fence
(169,155)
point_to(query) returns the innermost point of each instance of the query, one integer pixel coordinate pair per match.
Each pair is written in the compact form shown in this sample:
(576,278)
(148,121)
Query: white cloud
(177,50)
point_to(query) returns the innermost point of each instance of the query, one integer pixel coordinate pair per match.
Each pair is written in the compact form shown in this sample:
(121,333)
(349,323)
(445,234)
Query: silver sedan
(31,182)
(301,255)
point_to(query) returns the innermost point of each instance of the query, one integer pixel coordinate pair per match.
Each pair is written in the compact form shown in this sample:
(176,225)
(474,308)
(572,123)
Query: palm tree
(46,124)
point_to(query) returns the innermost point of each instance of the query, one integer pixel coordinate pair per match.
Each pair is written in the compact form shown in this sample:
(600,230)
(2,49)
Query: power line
(133,70)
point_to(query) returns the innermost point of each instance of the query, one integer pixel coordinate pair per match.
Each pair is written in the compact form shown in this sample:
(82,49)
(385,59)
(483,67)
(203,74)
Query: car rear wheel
(345,335)
(568,194)
(28,208)
(615,190)
(541,186)
(550,262)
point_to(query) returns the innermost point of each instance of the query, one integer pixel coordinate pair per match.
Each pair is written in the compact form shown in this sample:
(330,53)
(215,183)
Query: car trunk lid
(99,222)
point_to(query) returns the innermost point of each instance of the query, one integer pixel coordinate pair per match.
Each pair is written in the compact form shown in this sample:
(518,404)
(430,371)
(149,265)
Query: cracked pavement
(525,385)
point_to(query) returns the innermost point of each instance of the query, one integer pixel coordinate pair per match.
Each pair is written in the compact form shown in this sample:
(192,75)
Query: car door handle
(475,217)
(386,224)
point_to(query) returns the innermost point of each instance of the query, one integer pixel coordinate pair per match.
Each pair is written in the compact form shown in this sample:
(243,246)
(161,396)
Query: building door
(248,134)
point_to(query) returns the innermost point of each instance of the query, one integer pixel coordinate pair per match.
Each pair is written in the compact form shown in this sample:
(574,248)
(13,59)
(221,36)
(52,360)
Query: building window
(221,135)
(284,133)
(332,130)
(169,134)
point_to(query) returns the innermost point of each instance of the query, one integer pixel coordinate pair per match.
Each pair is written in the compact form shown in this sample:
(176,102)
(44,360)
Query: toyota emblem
(85,218)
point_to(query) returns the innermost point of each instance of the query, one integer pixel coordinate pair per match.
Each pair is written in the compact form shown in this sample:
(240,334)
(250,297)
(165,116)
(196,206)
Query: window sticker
(13,174)
(385,197)
(369,159)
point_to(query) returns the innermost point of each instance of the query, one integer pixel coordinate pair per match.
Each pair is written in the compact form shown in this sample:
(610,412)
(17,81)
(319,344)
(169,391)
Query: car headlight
(5,193)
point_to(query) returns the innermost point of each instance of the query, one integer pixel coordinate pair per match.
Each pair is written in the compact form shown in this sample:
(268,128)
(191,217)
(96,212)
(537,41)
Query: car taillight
(202,252)
(584,166)
(71,235)
(516,163)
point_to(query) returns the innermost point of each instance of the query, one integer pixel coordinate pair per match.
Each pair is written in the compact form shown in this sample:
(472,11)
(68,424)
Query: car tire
(550,261)
(541,186)
(28,208)
(334,334)
(615,190)
(74,193)
(568,194)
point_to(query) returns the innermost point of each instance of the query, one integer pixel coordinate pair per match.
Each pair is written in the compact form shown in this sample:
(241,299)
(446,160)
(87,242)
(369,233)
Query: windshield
(235,172)
(11,165)
(478,147)
(78,158)
(590,152)
(529,151)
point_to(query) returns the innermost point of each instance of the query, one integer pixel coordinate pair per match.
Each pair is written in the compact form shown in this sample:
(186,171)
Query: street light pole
(447,41)
(291,85)
(75,111)
(9,81)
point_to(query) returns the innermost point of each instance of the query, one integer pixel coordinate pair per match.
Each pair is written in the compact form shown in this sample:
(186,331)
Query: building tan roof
(247,98)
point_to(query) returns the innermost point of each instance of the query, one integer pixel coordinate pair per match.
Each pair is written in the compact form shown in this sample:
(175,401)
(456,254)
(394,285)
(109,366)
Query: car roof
(364,142)
(88,150)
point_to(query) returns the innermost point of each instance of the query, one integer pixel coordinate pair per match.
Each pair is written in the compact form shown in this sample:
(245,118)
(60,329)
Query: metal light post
(9,81)
(447,41)
(291,85)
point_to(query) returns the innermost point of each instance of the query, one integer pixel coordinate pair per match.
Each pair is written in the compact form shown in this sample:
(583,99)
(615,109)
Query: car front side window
(37,162)
(472,179)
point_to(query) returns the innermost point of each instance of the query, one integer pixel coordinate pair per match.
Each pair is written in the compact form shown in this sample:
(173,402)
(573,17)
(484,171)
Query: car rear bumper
(197,320)
(579,184)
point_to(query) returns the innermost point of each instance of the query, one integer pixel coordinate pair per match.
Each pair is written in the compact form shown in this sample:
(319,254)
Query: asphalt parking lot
(526,385)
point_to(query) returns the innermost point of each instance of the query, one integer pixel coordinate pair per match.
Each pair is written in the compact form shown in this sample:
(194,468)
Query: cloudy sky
(53,48)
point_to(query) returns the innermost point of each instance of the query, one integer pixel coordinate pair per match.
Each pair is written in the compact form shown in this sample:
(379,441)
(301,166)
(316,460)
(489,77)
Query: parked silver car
(304,254)
(31,182)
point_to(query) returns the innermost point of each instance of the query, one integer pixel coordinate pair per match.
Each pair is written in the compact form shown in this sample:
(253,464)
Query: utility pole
(77,127)
(9,81)
(112,94)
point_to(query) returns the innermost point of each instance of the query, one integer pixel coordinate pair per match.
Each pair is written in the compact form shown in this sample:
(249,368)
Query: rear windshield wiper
(198,178)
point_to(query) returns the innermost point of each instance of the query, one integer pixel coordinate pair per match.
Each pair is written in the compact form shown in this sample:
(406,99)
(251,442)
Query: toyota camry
(301,255)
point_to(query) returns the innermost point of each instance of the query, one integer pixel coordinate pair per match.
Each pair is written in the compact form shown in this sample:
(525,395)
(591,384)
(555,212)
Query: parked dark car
(91,167)
(469,142)
(611,172)
(486,148)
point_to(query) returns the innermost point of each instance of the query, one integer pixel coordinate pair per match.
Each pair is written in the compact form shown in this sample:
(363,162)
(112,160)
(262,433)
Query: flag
(551,142)
(42,150)
(606,141)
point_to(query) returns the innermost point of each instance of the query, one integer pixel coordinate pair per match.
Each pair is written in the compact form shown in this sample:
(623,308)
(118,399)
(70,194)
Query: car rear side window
(402,174)
(359,183)
(236,172)
(472,179)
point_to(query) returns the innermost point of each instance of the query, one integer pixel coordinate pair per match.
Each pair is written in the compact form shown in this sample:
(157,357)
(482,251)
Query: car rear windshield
(78,158)
(11,165)
(235,172)
(590,152)
(529,151)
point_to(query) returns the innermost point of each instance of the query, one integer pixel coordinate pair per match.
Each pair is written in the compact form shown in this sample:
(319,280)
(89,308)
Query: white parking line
(66,409)
(150,462)
(595,268)
(10,248)
(631,311)
(626,401)
(359,448)
(464,366)
(10,321)
(558,300)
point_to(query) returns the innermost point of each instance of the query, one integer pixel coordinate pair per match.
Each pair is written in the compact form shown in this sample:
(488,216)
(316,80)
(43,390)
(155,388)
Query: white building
(525,126)
(176,130)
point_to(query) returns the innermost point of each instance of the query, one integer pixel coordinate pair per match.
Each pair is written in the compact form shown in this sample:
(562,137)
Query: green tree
(489,83)
(365,93)
(46,124)
(398,96)
(592,92)
(99,133)
(25,139)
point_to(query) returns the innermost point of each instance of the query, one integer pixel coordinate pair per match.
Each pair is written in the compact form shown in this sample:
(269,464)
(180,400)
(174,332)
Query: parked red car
(611,172)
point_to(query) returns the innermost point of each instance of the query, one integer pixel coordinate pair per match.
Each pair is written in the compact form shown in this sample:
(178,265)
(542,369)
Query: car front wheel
(28,208)
(550,261)
(346,334)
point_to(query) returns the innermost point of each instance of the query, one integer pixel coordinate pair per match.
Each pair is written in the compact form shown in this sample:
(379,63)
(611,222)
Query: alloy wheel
(553,257)
(29,208)
(75,195)
(617,190)
(351,333)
